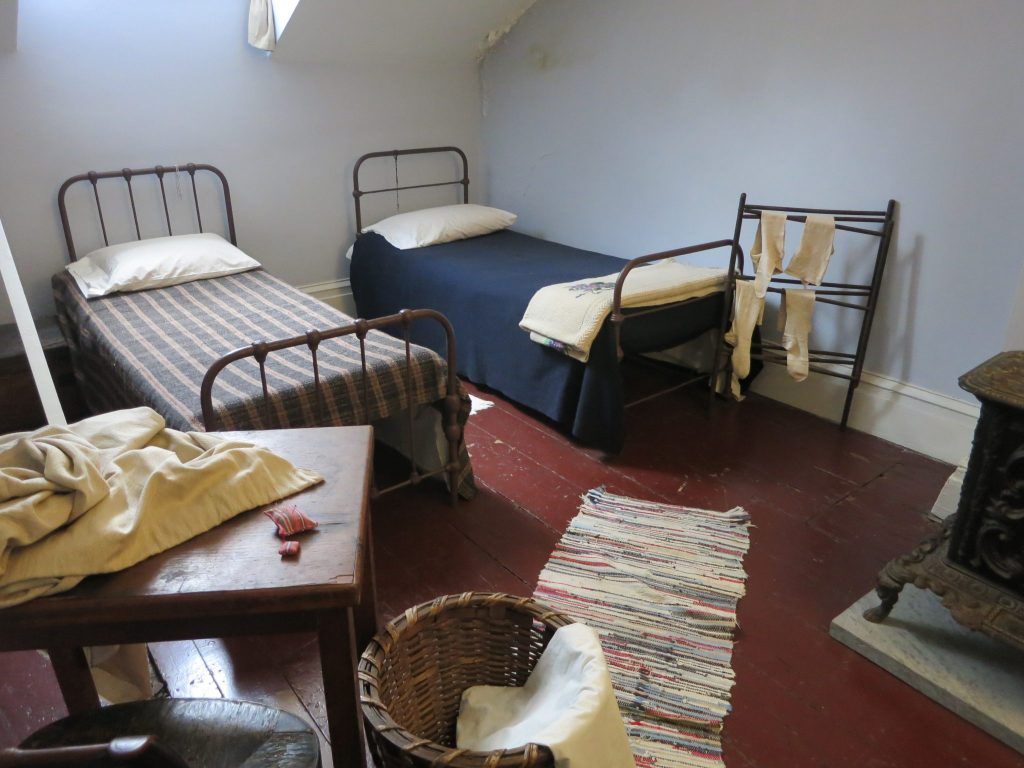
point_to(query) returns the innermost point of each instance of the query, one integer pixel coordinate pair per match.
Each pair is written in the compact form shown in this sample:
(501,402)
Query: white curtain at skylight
(261,25)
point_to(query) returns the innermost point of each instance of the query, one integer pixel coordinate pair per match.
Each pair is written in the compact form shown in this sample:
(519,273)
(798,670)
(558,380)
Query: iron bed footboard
(312,339)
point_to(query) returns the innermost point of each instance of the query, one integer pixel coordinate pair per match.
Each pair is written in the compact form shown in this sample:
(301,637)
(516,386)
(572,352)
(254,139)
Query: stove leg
(888,594)
(901,571)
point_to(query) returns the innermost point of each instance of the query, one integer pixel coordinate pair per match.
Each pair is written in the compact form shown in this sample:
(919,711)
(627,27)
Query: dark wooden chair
(172,733)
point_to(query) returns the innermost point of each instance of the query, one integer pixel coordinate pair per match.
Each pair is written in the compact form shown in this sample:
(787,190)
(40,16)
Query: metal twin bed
(248,351)
(483,285)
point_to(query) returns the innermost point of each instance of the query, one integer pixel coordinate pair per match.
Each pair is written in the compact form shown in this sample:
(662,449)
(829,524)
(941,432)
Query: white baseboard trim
(917,418)
(337,293)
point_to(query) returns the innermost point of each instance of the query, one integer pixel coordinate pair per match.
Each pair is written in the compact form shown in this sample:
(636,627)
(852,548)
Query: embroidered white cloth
(567,705)
(568,316)
(105,493)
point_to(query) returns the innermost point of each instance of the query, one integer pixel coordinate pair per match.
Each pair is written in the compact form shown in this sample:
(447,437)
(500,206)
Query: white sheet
(567,705)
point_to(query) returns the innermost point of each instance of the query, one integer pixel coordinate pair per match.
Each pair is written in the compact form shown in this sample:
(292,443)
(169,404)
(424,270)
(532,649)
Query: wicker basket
(412,675)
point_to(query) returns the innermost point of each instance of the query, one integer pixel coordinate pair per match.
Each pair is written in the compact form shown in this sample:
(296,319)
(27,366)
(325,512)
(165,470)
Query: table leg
(366,612)
(341,694)
(75,679)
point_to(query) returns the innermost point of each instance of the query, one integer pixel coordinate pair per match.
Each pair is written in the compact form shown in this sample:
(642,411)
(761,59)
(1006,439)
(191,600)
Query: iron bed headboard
(93,177)
(358,193)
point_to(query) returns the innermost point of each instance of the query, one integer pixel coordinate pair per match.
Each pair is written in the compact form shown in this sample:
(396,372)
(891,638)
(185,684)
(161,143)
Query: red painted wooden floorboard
(829,508)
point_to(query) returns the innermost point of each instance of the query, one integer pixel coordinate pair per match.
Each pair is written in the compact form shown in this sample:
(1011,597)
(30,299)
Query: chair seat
(205,733)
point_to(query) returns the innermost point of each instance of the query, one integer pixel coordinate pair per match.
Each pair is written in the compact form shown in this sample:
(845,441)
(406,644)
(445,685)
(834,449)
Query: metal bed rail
(618,317)
(312,339)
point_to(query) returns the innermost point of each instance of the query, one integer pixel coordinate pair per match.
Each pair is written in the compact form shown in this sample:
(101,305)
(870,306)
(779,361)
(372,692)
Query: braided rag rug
(660,584)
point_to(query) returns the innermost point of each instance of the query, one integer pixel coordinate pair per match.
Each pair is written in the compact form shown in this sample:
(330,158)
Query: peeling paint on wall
(497,34)
(541,58)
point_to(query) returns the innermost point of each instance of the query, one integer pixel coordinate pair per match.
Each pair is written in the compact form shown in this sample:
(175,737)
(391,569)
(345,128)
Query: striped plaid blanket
(154,347)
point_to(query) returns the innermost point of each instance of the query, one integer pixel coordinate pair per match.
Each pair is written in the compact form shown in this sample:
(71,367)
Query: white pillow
(441,225)
(156,263)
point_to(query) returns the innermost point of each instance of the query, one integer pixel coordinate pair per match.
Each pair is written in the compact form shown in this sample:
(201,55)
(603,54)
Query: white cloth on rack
(817,244)
(748,311)
(795,315)
(768,250)
(567,705)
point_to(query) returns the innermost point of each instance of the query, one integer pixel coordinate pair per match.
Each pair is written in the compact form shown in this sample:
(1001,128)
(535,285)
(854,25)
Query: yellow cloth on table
(105,493)
(568,316)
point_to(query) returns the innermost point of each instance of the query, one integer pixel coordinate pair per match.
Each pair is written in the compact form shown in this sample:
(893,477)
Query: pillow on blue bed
(441,225)
(157,262)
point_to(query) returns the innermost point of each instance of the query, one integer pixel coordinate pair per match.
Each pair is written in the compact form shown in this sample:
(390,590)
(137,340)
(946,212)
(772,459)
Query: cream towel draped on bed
(568,316)
(105,493)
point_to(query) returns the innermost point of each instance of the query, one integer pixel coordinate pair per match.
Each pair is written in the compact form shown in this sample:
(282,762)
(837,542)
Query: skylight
(283,10)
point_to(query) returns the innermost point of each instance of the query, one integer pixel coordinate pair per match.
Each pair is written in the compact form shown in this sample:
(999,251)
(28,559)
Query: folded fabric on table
(568,316)
(567,705)
(105,493)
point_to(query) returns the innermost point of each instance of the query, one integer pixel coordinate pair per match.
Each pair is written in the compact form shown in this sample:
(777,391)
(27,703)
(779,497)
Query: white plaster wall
(8,26)
(633,127)
(1015,331)
(95,86)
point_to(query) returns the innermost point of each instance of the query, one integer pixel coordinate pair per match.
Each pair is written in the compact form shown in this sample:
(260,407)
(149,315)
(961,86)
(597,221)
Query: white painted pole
(29,335)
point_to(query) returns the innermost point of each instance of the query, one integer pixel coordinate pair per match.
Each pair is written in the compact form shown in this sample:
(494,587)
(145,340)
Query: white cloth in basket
(567,705)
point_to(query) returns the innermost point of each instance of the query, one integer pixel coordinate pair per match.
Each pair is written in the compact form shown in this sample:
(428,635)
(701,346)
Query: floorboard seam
(604,466)
(487,552)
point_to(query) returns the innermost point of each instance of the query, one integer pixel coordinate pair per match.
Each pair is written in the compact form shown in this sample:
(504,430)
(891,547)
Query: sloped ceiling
(401,32)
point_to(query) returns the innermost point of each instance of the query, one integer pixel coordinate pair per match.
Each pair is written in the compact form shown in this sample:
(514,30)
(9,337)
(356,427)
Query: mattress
(483,285)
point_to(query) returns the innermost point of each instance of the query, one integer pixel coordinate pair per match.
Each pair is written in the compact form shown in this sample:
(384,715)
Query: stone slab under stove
(979,678)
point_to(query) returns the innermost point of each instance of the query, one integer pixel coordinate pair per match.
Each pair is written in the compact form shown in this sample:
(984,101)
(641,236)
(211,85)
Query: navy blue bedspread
(483,286)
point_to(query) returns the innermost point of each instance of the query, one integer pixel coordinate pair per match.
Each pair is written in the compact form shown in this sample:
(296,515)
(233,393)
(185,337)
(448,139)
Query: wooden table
(231,581)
